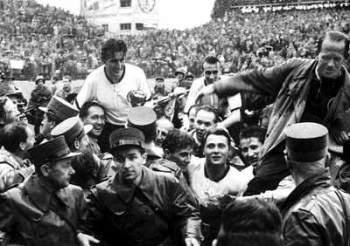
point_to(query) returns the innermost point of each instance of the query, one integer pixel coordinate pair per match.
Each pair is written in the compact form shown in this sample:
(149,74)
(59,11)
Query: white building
(122,16)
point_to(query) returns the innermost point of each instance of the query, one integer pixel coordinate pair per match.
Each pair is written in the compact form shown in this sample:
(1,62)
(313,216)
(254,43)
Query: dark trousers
(103,140)
(272,170)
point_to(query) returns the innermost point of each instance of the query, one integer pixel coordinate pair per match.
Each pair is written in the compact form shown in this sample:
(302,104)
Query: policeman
(139,206)
(45,209)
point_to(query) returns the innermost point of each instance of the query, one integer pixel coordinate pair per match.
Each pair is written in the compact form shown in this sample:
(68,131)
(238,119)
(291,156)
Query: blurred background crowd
(37,39)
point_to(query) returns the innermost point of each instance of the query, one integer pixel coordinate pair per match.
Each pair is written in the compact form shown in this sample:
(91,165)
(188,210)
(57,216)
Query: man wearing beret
(45,209)
(303,90)
(315,213)
(139,206)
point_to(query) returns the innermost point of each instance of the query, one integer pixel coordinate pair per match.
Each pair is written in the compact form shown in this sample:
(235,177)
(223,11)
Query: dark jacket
(145,215)
(289,84)
(33,214)
(314,214)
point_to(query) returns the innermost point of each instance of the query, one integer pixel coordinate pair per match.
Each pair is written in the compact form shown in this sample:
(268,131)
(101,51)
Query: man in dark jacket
(315,213)
(45,209)
(39,97)
(316,90)
(139,206)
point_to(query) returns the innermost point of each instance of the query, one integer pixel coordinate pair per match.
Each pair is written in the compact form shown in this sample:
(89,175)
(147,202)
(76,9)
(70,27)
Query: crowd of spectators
(240,41)
(45,39)
(54,42)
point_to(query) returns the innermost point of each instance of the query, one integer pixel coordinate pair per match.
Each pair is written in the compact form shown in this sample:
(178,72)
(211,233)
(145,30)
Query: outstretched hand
(86,240)
(207,90)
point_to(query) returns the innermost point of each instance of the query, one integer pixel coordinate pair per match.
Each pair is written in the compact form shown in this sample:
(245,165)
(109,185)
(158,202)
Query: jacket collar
(126,192)
(41,192)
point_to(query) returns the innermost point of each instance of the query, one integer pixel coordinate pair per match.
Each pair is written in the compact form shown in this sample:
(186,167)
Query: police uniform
(37,214)
(154,212)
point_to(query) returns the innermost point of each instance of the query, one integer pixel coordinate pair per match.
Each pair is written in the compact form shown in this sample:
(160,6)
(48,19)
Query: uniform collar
(41,192)
(125,191)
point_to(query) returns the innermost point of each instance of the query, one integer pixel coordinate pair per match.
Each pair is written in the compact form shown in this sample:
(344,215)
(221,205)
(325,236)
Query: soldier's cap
(71,128)
(160,79)
(51,151)
(306,142)
(39,77)
(180,71)
(60,108)
(126,137)
(142,118)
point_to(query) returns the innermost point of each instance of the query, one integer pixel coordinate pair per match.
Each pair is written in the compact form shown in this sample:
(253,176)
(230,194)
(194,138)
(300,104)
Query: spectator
(15,167)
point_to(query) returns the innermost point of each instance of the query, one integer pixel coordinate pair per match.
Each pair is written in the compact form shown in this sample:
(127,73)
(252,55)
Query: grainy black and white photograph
(174,123)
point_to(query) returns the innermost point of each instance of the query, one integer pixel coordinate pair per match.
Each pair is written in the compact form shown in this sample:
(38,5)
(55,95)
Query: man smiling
(110,84)
(213,178)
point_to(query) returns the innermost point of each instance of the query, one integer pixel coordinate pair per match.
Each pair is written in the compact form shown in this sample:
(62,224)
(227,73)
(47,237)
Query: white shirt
(209,191)
(198,84)
(113,97)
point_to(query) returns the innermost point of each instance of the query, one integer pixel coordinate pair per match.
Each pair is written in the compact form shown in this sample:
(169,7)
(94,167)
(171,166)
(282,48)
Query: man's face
(182,157)
(191,118)
(30,139)
(180,76)
(216,149)
(95,117)
(163,127)
(250,149)
(131,161)
(211,72)
(204,121)
(83,143)
(11,111)
(115,66)
(59,173)
(331,59)
(47,126)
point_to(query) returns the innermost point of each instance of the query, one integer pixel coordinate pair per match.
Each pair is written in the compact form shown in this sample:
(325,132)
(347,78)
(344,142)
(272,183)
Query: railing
(267,3)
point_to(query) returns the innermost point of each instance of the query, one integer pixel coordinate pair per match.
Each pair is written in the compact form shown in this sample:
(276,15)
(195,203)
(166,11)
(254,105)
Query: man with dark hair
(45,209)
(212,178)
(93,113)
(139,206)
(211,71)
(178,147)
(251,140)
(252,222)
(315,213)
(110,84)
(315,90)
(206,118)
(211,68)
(16,139)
